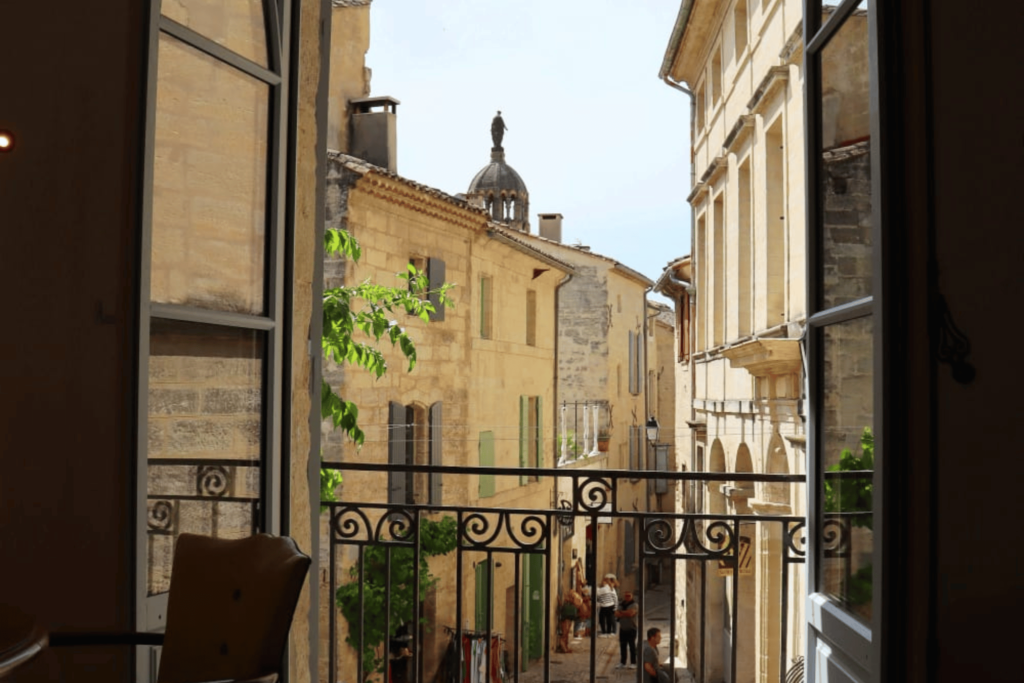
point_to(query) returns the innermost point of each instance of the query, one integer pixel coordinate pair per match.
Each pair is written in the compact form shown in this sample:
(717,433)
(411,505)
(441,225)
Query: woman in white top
(606,600)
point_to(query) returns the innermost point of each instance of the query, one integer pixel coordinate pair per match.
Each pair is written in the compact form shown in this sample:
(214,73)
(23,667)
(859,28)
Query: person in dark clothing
(626,614)
(652,659)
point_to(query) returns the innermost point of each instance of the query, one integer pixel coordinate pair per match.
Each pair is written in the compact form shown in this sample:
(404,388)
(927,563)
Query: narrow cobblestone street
(574,667)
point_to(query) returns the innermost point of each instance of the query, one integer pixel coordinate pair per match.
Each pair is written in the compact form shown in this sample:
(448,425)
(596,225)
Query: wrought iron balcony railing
(410,597)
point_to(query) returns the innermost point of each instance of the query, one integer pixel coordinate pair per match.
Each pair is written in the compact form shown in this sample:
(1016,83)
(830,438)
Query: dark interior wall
(71,92)
(978,115)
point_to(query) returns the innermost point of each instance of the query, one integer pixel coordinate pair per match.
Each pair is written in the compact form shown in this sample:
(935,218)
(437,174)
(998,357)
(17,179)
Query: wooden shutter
(638,358)
(632,447)
(630,551)
(524,436)
(396,452)
(632,362)
(485,323)
(661,464)
(435,453)
(435,276)
(486,489)
(539,433)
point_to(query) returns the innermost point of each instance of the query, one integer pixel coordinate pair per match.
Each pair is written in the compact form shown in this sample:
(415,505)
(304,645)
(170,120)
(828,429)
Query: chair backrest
(230,607)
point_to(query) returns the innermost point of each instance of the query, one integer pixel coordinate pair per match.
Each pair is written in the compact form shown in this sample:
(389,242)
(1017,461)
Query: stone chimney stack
(374,131)
(549,226)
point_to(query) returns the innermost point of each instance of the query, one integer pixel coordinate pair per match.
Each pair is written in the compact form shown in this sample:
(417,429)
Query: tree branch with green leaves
(357,321)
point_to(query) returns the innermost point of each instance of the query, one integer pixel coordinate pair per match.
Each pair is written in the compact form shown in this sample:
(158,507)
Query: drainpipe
(647,406)
(555,421)
(690,289)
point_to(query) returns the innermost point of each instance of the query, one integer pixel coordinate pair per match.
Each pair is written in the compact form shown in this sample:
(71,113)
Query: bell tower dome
(498,188)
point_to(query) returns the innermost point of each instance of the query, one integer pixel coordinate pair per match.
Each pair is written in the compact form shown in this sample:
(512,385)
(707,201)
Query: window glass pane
(844,184)
(846,454)
(236,24)
(209,183)
(204,440)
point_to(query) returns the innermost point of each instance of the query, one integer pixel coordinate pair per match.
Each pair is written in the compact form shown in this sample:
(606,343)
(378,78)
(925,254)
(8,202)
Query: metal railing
(393,621)
(582,424)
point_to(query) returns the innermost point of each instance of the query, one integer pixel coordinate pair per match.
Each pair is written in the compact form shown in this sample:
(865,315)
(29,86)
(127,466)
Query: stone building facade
(482,393)
(746,280)
(742,63)
(604,347)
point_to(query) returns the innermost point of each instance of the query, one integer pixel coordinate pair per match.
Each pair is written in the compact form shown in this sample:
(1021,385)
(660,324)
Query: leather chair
(229,610)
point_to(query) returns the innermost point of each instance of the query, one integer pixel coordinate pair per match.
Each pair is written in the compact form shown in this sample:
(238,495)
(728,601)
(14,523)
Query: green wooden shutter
(524,437)
(485,327)
(486,460)
(396,452)
(435,453)
(435,276)
(482,593)
(539,435)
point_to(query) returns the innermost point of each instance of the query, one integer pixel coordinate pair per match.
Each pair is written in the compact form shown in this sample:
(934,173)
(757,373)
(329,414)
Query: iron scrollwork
(213,481)
(161,517)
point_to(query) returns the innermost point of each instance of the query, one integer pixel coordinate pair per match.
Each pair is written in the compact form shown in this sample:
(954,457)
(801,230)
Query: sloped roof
(503,234)
(350,3)
(363,167)
(514,239)
(622,268)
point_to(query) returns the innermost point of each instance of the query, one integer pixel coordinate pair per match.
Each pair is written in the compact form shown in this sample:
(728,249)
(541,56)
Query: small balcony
(584,430)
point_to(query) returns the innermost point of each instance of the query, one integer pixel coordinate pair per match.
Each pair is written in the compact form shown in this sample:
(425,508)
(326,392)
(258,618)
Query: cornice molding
(764,357)
(741,130)
(776,77)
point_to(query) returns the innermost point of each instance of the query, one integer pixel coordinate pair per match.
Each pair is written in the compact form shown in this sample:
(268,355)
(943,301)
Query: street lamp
(6,141)
(652,429)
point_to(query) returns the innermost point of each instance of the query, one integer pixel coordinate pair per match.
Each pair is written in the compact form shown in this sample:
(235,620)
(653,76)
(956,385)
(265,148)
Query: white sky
(593,131)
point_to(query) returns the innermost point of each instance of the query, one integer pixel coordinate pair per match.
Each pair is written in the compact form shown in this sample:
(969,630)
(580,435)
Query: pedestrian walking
(626,614)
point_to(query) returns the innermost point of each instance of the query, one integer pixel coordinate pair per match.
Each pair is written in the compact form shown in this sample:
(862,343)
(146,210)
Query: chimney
(549,226)
(374,131)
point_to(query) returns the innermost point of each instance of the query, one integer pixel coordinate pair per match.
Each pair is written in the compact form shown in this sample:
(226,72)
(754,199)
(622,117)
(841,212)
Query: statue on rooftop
(498,129)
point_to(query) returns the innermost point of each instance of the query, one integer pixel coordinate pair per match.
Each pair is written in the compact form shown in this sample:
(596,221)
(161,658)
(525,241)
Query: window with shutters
(629,552)
(531,317)
(435,276)
(414,438)
(486,308)
(434,269)
(531,444)
(486,456)
(632,362)
(399,453)
(683,326)
(636,361)
(435,482)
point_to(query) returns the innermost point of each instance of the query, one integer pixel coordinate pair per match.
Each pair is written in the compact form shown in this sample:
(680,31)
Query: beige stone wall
(204,404)
(350,79)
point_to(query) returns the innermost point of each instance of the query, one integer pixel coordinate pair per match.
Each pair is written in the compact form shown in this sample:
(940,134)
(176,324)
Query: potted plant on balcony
(603,439)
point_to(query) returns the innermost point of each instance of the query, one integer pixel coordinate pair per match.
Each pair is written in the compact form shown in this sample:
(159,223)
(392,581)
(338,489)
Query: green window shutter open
(539,433)
(524,436)
(486,460)
(435,453)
